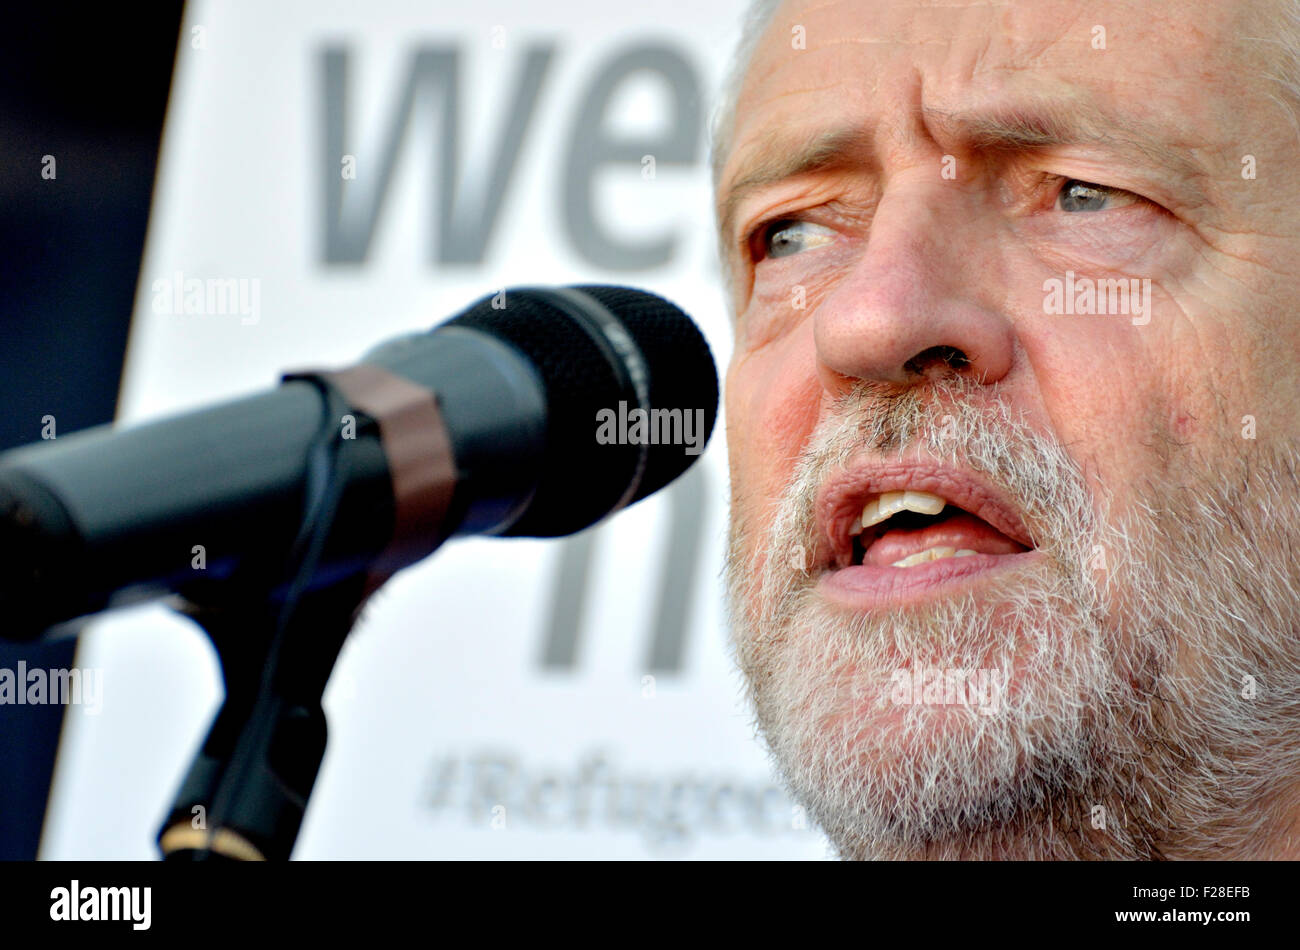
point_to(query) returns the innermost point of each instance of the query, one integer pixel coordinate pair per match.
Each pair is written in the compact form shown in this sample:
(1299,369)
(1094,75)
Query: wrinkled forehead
(1166,61)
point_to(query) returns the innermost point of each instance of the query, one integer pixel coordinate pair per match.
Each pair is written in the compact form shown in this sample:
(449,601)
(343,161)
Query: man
(1013,422)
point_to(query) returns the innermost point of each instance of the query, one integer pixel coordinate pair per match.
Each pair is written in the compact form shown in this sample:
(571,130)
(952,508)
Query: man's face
(1035,263)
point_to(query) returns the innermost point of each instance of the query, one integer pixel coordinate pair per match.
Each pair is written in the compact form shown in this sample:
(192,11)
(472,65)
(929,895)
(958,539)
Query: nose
(910,308)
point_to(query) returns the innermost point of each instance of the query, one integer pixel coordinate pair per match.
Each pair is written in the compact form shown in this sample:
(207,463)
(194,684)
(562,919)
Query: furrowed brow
(1052,125)
(781,158)
(1045,125)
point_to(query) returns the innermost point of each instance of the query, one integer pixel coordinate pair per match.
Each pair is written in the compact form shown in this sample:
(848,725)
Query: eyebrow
(1053,124)
(782,156)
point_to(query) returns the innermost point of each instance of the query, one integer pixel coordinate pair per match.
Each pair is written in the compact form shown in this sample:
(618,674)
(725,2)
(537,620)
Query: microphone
(535,412)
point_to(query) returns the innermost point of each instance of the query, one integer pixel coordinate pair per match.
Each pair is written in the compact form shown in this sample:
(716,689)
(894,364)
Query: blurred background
(356,171)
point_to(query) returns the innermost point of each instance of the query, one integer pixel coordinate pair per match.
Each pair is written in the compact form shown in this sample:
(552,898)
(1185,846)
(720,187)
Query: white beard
(1131,649)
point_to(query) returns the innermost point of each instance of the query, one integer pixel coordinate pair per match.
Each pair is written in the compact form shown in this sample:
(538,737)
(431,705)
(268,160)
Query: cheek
(773,403)
(1183,425)
(1115,397)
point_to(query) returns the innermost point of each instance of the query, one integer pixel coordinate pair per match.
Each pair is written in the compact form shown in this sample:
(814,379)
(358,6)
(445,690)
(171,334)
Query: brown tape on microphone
(420,461)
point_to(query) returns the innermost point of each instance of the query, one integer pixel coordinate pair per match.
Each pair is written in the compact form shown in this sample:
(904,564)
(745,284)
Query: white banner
(332,176)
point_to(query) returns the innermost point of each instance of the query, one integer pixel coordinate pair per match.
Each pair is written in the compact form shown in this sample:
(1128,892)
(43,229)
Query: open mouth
(895,531)
(904,529)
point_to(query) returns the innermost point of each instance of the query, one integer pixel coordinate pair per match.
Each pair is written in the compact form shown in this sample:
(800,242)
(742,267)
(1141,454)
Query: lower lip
(863,587)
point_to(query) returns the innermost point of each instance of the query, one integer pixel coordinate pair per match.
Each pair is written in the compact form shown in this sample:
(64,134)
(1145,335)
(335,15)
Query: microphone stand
(246,792)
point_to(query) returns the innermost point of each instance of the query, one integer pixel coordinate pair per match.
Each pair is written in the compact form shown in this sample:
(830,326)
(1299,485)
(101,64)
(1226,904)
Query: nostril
(937,360)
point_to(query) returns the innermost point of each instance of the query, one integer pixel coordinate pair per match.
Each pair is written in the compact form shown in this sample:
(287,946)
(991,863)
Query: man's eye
(1078,195)
(786,237)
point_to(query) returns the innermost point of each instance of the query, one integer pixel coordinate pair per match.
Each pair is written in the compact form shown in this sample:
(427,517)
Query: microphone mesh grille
(583,479)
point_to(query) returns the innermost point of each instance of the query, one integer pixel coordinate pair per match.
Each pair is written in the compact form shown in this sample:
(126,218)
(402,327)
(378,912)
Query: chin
(887,736)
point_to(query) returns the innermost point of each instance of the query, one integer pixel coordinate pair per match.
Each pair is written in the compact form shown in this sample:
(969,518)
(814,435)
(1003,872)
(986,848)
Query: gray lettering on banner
(667,648)
(469,206)
(686,504)
(467,209)
(591,146)
(595,794)
(569,601)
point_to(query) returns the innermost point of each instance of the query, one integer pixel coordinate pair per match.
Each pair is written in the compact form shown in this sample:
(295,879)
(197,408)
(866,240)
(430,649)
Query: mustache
(957,422)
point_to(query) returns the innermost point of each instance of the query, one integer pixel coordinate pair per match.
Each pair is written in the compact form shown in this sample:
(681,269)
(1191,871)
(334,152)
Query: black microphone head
(631,391)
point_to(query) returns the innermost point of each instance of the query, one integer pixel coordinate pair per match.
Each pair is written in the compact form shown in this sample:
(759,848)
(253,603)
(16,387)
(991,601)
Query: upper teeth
(891,503)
